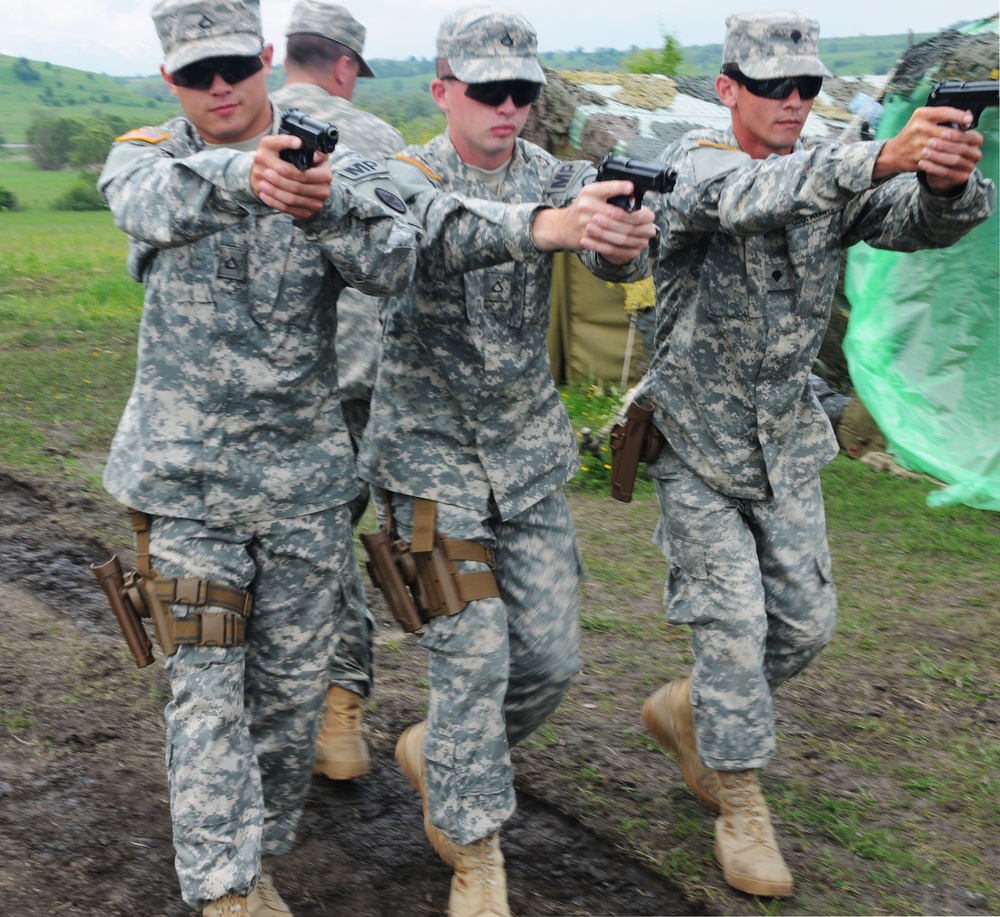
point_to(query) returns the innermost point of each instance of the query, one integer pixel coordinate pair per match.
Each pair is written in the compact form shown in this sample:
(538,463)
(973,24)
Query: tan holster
(422,579)
(142,593)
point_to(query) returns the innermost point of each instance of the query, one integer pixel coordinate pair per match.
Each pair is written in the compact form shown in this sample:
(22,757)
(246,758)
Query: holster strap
(210,628)
(471,586)
(202,592)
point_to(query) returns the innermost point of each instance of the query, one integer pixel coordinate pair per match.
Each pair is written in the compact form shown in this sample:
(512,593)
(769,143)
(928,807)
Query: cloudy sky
(117,36)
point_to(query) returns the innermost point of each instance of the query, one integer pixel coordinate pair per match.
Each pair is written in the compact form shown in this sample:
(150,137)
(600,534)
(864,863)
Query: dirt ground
(84,820)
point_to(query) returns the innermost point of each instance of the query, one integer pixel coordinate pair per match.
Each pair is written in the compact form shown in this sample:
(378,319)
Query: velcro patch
(145,134)
(433,176)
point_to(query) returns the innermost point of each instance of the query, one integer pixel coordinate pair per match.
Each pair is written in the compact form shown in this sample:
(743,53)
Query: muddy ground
(84,819)
(604,824)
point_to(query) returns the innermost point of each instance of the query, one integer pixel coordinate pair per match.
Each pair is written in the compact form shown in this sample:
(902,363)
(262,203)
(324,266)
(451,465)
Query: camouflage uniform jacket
(464,405)
(745,265)
(362,132)
(359,130)
(234,414)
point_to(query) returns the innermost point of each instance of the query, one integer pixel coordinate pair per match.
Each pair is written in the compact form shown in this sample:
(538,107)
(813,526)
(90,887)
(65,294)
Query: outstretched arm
(590,223)
(945,155)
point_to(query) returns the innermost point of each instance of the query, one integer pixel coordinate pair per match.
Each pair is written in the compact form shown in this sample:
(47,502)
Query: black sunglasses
(495,93)
(778,88)
(201,74)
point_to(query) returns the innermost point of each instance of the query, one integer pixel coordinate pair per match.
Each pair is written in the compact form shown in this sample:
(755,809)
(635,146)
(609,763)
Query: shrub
(82,196)
(8,200)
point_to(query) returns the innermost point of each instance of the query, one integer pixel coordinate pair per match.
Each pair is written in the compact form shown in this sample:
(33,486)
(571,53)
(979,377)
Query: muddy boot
(479,886)
(410,758)
(669,716)
(230,906)
(341,750)
(745,845)
(264,900)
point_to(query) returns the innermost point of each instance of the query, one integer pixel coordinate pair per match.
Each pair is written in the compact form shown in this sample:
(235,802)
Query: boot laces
(486,867)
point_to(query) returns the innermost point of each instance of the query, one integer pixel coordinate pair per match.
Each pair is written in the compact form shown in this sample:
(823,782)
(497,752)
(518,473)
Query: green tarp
(923,342)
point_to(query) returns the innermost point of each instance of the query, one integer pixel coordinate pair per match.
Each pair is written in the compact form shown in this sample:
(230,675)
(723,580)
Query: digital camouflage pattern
(465,413)
(758,598)
(328,20)
(233,440)
(500,668)
(484,43)
(773,43)
(465,410)
(745,267)
(190,32)
(241,727)
(359,331)
(234,415)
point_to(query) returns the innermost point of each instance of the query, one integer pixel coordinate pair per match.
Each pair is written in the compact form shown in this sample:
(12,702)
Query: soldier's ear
(725,88)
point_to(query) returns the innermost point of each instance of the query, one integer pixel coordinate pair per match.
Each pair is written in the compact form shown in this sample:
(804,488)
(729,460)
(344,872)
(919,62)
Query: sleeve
(365,227)
(462,233)
(163,198)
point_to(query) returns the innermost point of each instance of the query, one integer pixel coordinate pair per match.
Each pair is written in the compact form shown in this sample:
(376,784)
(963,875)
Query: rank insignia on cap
(145,134)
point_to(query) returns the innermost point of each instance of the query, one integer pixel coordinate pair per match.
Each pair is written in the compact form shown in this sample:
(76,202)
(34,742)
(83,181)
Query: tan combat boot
(479,886)
(669,716)
(341,750)
(230,906)
(264,900)
(410,758)
(745,845)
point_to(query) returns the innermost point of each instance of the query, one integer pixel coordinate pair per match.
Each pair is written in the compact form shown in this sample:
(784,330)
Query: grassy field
(881,799)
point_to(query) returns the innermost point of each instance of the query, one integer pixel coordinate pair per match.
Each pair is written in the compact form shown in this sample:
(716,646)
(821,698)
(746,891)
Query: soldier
(322,64)
(469,436)
(233,445)
(745,266)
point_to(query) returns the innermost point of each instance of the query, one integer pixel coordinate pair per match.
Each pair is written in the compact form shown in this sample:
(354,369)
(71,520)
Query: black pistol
(314,134)
(644,177)
(974,96)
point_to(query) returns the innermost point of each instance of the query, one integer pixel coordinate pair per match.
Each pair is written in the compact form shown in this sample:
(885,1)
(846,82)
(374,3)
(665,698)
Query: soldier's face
(228,112)
(483,134)
(764,126)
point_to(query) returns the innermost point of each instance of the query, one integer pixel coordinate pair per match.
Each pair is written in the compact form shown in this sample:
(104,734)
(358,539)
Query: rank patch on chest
(232,263)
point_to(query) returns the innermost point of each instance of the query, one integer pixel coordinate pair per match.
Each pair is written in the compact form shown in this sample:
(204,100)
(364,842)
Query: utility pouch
(636,440)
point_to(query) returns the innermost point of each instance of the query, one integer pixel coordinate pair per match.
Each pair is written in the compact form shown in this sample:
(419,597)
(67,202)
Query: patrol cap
(487,43)
(193,30)
(314,17)
(773,43)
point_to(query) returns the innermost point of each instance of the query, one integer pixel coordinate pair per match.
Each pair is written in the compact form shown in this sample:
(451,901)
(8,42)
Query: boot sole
(342,770)
(751,886)
(666,739)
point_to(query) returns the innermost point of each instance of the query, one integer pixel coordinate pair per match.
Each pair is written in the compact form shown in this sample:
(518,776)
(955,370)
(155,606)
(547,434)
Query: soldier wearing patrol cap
(232,445)
(469,437)
(745,268)
(322,64)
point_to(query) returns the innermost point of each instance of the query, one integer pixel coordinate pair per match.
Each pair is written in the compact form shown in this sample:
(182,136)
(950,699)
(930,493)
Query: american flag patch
(146,134)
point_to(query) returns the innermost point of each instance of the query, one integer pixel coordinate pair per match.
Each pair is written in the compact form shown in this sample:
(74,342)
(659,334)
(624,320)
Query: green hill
(28,88)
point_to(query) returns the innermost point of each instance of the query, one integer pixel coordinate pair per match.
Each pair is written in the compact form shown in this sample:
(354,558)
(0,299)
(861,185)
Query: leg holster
(443,589)
(154,594)
(422,579)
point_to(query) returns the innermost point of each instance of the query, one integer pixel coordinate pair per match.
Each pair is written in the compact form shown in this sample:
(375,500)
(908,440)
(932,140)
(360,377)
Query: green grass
(68,320)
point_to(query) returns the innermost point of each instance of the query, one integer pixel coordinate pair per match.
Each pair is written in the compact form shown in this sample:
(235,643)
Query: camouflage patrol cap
(773,43)
(487,43)
(192,30)
(314,17)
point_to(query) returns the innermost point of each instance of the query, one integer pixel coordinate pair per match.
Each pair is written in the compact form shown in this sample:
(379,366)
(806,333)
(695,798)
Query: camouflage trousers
(241,727)
(498,669)
(753,581)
